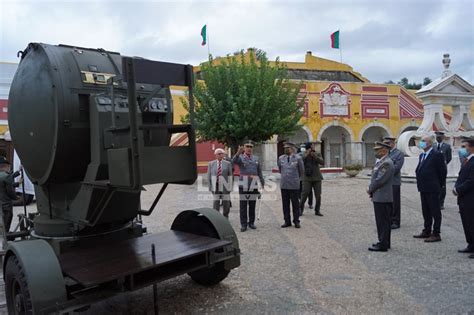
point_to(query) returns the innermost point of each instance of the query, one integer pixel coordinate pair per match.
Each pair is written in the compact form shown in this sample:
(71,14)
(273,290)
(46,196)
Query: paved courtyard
(324,267)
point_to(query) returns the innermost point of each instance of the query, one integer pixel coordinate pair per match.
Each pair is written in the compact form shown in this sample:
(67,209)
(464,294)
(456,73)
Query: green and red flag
(335,40)
(203,34)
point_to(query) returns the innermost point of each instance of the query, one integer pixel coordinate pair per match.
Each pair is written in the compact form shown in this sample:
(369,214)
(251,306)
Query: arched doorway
(370,135)
(302,135)
(333,146)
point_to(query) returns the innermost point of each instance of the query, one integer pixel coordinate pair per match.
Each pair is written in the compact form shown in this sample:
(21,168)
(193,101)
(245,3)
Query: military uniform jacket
(316,160)
(7,191)
(398,159)
(291,169)
(465,185)
(380,186)
(249,166)
(444,149)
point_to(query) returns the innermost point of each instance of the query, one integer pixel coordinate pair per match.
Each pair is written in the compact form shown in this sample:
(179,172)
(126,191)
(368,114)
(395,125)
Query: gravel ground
(324,267)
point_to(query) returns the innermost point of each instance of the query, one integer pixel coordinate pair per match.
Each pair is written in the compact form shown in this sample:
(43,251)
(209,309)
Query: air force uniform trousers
(465,190)
(381,191)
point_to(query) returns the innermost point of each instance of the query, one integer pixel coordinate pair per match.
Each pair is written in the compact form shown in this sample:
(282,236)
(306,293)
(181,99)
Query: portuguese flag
(203,34)
(335,40)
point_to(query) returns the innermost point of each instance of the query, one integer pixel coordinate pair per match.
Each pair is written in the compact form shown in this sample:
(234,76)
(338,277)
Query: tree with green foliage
(243,98)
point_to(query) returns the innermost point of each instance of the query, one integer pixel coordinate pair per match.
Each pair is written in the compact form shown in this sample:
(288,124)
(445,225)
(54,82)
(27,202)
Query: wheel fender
(42,270)
(221,224)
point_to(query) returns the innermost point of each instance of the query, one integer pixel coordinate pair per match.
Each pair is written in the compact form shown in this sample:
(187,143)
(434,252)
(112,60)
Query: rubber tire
(14,273)
(216,273)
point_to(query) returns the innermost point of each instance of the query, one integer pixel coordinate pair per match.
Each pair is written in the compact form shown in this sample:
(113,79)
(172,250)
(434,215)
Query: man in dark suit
(381,192)
(398,159)
(430,177)
(446,150)
(464,190)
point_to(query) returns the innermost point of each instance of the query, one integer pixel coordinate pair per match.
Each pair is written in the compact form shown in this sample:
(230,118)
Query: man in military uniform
(7,192)
(464,190)
(398,159)
(381,192)
(300,153)
(291,169)
(312,178)
(250,173)
(446,150)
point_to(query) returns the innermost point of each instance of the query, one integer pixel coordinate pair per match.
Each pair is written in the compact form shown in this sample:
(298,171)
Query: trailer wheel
(16,288)
(205,222)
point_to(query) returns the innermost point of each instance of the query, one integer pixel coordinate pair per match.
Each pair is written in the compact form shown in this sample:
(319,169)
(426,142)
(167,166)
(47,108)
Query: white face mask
(303,149)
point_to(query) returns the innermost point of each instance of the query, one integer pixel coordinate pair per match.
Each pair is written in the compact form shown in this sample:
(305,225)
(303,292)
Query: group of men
(431,172)
(300,176)
(220,176)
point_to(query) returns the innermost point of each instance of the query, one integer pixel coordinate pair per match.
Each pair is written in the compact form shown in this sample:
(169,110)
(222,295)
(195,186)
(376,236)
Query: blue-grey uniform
(291,169)
(250,173)
(398,159)
(381,192)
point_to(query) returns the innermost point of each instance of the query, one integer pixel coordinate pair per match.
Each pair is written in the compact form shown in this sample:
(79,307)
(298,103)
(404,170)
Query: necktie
(423,156)
(288,159)
(219,173)
(439,146)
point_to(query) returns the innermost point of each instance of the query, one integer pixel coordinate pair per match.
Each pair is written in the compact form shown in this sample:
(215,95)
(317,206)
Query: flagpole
(208,43)
(340,46)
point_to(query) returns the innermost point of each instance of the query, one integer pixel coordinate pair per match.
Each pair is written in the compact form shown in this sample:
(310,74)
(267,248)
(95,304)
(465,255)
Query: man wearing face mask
(291,170)
(430,177)
(464,190)
(444,149)
(381,192)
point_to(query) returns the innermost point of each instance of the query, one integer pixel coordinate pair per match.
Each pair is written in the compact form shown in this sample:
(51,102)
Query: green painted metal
(224,230)
(43,272)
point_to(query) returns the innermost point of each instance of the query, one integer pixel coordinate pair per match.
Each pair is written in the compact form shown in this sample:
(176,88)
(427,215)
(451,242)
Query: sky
(383,40)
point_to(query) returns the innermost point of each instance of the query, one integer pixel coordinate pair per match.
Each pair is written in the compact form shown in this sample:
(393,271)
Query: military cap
(389,139)
(249,143)
(3,160)
(308,145)
(289,145)
(469,141)
(439,133)
(380,145)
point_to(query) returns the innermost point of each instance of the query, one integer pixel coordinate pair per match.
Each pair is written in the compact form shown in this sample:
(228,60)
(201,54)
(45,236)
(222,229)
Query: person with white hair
(219,178)
(430,178)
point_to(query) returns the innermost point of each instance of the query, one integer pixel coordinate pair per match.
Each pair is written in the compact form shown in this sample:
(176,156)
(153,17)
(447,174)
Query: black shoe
(424,234)
(286,225)
(378,244)
(466,250)
(297,225)
(377,248)
(252,226)
(301,213)
(310,206)
(442,207)
(243,229)
(433,238)
(395,226)
(471,256)
(318,214)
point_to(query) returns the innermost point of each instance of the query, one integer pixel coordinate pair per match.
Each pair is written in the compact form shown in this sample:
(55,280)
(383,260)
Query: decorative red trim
(375,89)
